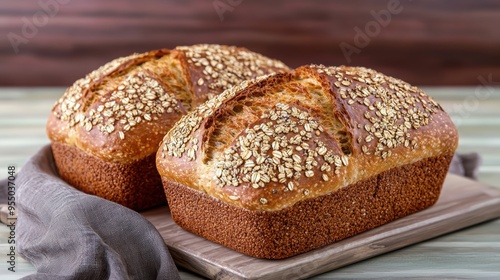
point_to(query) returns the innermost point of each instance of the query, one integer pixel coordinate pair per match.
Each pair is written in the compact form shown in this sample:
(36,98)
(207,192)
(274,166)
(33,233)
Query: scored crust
(119,113)
(271,143)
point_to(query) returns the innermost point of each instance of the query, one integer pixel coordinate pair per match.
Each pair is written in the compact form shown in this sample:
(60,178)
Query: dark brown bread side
(106,127)
(312,222)
(302,144)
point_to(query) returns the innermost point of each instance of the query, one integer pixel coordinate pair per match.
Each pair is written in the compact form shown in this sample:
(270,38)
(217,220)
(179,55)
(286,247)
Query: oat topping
(71,101)
(281,148)
(139,97)
(393,107)
(224,67)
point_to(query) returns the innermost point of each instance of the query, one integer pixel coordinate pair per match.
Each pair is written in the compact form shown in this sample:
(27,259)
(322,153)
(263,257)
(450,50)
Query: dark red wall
(425,42)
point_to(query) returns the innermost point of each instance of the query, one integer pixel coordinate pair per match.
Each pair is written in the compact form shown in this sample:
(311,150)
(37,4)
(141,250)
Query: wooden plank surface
(449,42)
(462,203)
(469,253)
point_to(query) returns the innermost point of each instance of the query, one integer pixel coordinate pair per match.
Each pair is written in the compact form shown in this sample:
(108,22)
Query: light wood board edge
(463,203)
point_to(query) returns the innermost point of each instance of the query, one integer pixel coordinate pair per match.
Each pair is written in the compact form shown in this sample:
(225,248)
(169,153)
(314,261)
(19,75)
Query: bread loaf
(294,161)
(106,128)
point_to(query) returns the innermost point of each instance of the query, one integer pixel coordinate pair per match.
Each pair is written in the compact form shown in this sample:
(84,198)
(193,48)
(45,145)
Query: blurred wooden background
(449,42)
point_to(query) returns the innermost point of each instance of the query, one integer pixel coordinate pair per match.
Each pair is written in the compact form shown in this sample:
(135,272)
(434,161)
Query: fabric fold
(67,234)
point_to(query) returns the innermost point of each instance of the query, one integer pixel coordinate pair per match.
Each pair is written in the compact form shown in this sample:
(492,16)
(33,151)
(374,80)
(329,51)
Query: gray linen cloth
(67,234)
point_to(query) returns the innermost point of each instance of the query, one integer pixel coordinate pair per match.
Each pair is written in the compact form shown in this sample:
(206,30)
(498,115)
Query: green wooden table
(470,253)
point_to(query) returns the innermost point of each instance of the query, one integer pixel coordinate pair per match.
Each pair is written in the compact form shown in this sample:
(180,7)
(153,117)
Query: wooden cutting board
(462,203)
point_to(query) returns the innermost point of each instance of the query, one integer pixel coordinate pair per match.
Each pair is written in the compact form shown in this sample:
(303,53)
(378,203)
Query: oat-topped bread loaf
(290,162)
(106,128)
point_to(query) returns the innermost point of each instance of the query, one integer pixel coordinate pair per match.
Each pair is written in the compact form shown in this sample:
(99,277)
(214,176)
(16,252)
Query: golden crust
(274,142)
(121,111)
